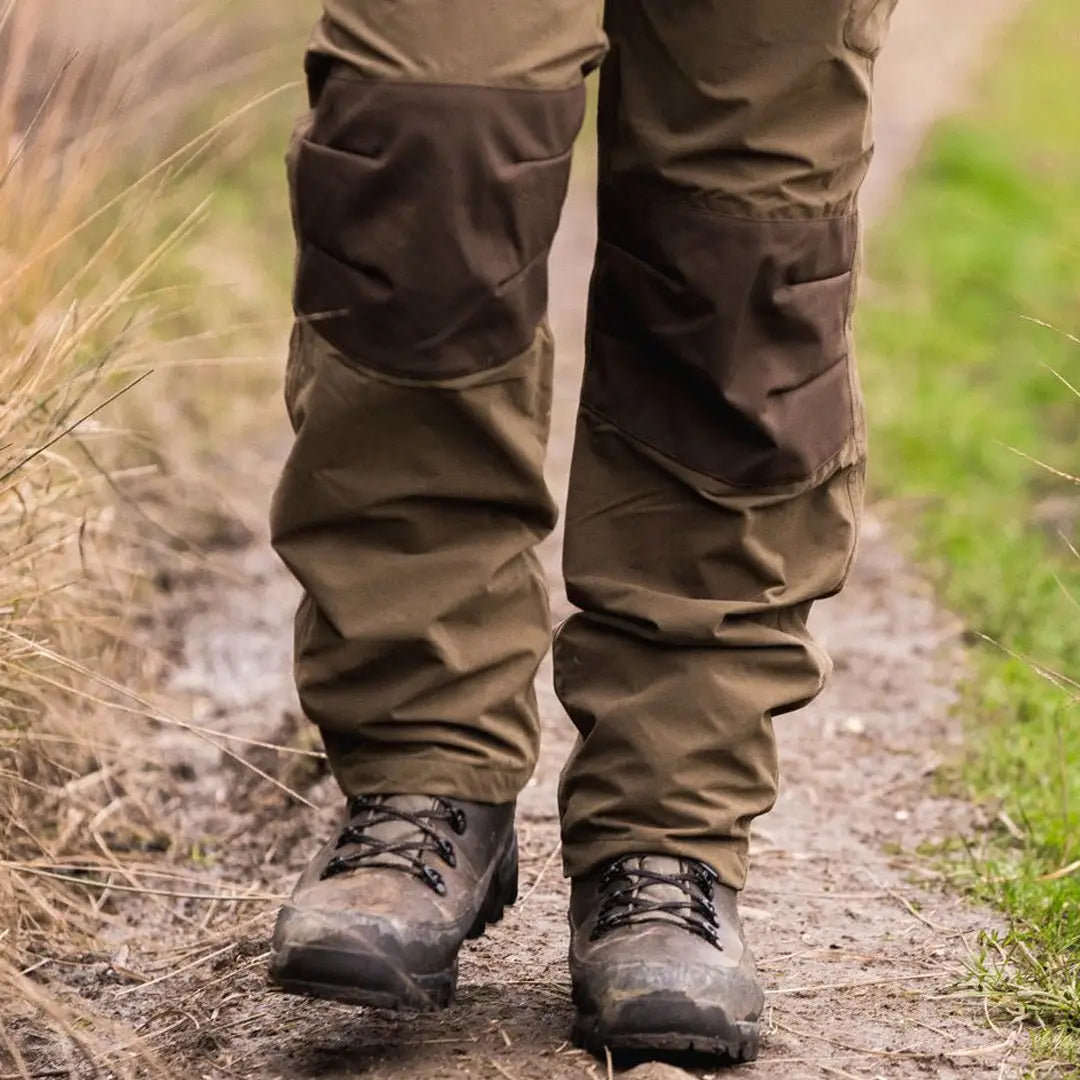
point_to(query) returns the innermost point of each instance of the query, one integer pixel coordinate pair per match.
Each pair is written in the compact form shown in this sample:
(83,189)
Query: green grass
(957,379)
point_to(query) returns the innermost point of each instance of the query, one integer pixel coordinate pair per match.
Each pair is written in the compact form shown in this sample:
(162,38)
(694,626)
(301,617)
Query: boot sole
(679,1029)
(374,980)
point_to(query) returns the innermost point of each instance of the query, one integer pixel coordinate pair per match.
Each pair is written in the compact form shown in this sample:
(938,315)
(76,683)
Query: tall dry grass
(88,115)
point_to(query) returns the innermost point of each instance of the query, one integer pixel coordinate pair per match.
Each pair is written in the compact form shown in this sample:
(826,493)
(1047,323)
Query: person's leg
(427,183)
(718,468)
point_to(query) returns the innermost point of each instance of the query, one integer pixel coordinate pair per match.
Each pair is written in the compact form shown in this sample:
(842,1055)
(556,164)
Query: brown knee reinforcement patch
(721,341)
(425,215)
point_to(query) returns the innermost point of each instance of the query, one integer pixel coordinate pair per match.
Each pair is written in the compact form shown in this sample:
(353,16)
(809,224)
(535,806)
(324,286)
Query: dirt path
(860,955)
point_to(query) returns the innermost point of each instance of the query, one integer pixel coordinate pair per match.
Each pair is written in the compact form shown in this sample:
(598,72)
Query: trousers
(718,465)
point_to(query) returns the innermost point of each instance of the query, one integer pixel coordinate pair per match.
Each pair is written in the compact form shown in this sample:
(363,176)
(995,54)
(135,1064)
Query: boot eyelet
(706,907)
(434,880)
(446,853)
(458,821)
(335,866)
(350,835)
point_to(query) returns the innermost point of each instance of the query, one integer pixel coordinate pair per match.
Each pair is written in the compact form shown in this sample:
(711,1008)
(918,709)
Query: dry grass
(86,218)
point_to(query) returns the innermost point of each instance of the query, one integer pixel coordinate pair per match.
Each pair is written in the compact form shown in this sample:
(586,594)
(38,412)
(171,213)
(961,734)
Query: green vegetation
(960,384)
(124,260)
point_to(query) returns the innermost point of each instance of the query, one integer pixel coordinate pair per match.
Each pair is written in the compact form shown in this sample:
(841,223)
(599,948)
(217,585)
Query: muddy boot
(659,963)
(379,915)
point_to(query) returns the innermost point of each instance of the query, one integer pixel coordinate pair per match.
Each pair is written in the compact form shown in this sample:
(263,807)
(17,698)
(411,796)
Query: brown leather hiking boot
(658,961)
(380,913)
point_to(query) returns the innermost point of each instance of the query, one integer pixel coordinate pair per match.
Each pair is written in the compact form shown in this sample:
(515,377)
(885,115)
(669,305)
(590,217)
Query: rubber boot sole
(377,980)
(667,1024)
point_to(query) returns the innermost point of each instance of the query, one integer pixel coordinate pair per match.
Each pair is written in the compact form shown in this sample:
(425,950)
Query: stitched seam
(350,75)
(757,488)
(682,197)
(310,318)
(380,373)
(306,141)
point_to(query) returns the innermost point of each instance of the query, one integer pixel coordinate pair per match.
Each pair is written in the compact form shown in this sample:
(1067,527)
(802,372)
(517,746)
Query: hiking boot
(380,913)
(658,961)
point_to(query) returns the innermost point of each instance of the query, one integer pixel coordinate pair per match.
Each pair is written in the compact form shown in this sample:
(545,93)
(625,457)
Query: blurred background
(145,261)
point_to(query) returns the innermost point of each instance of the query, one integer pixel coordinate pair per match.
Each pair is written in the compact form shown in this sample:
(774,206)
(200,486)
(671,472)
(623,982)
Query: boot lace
(409,850)
(631,904)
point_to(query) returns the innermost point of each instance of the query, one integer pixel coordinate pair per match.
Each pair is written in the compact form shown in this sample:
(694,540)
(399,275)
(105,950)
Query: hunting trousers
(718,465)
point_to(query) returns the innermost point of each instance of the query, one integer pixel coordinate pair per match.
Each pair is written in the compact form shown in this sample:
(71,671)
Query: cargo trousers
(718,465)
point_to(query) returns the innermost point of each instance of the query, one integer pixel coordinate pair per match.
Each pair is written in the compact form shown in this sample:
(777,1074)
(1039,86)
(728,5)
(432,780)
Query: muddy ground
(862,951)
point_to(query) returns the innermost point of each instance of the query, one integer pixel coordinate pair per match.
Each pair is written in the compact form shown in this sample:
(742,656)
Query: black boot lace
(630,902)
(406,853)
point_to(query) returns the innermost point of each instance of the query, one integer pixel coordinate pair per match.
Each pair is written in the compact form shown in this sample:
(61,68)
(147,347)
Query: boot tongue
(659,892)
(395,831)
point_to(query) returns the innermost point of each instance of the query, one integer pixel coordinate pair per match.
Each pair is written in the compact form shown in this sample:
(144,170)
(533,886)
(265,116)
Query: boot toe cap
(359,960)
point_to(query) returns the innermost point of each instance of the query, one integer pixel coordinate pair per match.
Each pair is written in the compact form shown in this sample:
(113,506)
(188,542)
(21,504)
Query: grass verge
(964,390)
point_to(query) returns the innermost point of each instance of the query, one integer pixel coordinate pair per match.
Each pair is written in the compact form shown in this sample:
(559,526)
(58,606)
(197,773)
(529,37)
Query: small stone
(751,914)
(901,815)
(654,1070)
(854,725)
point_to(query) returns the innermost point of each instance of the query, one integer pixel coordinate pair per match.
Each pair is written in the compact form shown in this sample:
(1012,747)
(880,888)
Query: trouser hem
(729,858)
(378,775)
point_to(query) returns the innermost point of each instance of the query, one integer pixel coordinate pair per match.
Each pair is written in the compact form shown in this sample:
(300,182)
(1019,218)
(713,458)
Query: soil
(863,952)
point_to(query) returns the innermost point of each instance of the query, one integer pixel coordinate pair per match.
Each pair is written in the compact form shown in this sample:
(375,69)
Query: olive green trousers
(718,465)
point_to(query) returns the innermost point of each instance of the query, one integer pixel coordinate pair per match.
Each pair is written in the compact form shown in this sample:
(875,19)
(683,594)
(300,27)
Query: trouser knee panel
(724,342)
(425,214)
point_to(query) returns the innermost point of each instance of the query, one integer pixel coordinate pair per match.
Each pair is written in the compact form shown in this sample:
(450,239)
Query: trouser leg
(427,182)
(718,467)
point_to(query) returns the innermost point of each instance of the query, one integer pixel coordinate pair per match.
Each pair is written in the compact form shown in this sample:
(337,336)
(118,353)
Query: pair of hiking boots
(657,957)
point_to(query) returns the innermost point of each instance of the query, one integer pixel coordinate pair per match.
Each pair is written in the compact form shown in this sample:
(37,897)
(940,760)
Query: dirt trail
(860,954)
